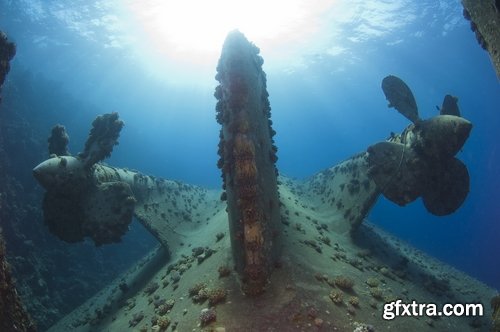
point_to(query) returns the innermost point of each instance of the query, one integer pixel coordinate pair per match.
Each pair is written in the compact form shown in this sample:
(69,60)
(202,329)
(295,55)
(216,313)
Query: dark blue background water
(325,109)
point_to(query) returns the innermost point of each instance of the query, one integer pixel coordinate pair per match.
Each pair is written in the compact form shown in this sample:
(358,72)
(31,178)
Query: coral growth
(207,316)
(372,282)
(151,288)
(354,301)
(245,171)
(199,292)
(376,292)
(362,327)
(163,323)
(196,288)
(224,271)
(343,282)
(216,296)
(243,147)
(336,296)
(165,307)
(219,236)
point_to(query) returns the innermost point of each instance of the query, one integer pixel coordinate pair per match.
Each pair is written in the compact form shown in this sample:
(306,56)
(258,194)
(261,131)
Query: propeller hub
(61,173)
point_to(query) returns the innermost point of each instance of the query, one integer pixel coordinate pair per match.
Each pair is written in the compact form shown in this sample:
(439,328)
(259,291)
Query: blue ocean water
(324,86)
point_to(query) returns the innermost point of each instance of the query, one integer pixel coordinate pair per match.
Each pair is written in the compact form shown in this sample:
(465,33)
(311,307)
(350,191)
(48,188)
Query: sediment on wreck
(247,160)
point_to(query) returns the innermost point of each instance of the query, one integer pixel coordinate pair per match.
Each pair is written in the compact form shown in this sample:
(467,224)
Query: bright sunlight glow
(192,31)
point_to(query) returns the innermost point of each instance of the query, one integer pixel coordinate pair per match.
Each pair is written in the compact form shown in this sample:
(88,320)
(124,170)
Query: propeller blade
(102,212)
(108,210)
(450,106)
(58,141)
(446,187)
(396,170)
(442,136)
(102,138)
(400,97)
